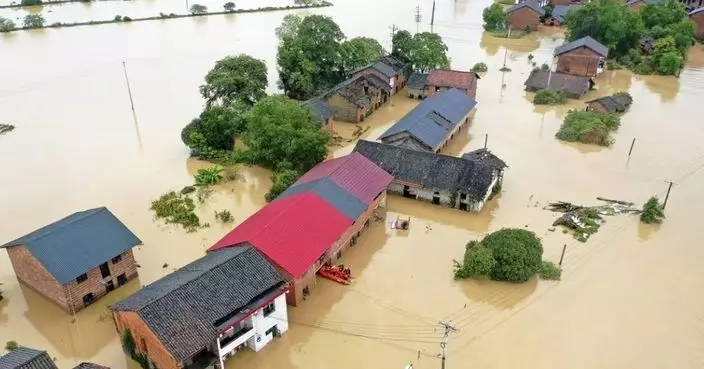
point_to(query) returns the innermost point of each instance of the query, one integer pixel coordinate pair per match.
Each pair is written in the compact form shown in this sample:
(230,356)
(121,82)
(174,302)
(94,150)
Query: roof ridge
(87,213)
(295,199)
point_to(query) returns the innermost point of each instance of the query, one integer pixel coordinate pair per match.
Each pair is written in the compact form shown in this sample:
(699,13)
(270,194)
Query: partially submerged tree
(588,127)
(11,345)
(652,211)
(198,9)
(549,97)
(478,262)
(358,52)
(6,25)
(281,180)
(229,6)
(550,271)
(428,51)
(33,21)
(215,129)
(235,78)
(494,17)
(480,68)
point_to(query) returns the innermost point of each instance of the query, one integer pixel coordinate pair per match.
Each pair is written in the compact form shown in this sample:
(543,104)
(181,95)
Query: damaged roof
(320,109)
(573,85)
(530,4)
(615,103)
(485,156)
(587,42)
(352,89)
(26,358)
(430,170)
(387,66)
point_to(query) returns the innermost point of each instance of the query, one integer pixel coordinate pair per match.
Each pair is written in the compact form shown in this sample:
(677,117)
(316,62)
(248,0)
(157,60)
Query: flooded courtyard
(629,297)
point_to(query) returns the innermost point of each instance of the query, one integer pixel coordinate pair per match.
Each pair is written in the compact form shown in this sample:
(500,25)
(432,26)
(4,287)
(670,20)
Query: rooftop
(486,157)
(387,66)
(430,170)
(87,365)
(434,118)
(574,85)
(451,78)
(78,243)
(352,89)
(587,42)
(417,80)
(186,308)
(321,110)
(614,103)
(530,4)
(559,12)
(26,358)
(696,11)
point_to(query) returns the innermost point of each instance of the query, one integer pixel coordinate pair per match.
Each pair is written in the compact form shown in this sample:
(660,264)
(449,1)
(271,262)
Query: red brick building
(442,79)
(524,16)
(76,260)
(315,220)
(697,16)
(387,68)
(585,57)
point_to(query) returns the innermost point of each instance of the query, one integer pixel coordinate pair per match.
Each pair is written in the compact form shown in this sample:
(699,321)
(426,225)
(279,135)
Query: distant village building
(76,260)
(559,14)
(582,57)
(697,16)
(207,310)
(26,358)
(524,16)
(388,68)
(647,44)
(422,85)
(322,112)
(431,124)
(567,2)
(440,179)
(314,221)
(416,85)
(574,86)
(610,104)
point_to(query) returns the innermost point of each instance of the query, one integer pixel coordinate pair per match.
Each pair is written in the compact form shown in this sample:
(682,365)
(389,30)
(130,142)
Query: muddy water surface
(629,297)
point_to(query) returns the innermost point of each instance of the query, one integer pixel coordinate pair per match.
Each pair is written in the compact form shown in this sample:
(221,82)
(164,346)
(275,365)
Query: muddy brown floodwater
(630,297)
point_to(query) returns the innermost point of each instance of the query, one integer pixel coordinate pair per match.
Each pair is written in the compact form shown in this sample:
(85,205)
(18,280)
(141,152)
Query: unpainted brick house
(76,260)
(524,16)
(697,16)
(357,97)
(387,68)
(422,85)
(584,57)
(206,311)
(26,358)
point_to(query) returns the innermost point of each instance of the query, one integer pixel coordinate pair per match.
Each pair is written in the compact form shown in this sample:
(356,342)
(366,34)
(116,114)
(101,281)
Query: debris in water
(586,220)
(4,128)
(166,265)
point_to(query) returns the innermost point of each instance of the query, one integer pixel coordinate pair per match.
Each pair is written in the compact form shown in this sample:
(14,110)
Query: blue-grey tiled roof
(331,193)
(651,2)
(434,118)
(186,308)
(586,42)
(696,11)
(417,79)
(559,12)
(321,110)
(78,243)
(26,358)
(531,4)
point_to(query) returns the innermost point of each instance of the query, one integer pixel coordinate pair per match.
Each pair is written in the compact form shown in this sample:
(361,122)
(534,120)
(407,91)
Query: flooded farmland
(630,297)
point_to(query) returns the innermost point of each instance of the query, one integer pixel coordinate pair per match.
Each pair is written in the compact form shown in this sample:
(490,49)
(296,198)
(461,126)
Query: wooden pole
(432,19)
(563,254)
(668,195)
(486,139)
(631,149)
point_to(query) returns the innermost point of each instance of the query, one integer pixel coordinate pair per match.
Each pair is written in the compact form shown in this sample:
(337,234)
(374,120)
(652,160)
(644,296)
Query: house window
(121,279)
(82,278)
(463,196)
(339,255)
(88,299)
(117,259)
(269,309)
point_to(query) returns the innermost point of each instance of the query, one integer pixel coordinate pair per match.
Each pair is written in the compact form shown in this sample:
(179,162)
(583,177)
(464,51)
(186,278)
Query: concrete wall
(32,273)
(147,342)
(261,324)
(579,62)
(523,18)
(416,92)
(445,198)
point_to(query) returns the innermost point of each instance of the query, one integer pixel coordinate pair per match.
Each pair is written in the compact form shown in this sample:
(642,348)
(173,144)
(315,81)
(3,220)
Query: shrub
(7,25)
(480,68)
(494,17)
(550,97)
(31,2)
(128,343)
(118,18)
(126,19)
(478,262)
(670,64)
(33,21)
(208,176)
(11,345)
(229,6)
(652,211)
(588,127)
(224,216)
(177,209)
(545,67)
(188,189)
(198,9)
(550,271)
(282,179)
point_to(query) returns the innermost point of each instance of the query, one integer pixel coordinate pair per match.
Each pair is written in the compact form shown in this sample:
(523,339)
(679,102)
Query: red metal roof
(293,231)
(450,78)
(354,173)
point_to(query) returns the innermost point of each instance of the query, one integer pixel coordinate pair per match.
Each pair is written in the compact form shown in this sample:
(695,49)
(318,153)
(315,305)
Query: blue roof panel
(333,194)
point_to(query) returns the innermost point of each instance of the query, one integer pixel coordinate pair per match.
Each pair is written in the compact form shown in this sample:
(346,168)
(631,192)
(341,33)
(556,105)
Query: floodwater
(629,297)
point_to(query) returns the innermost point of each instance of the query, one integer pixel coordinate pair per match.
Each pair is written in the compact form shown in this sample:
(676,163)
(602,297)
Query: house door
(407,192)
(463,206)
(121,279)
(436,198)
(104,270)
(109,286)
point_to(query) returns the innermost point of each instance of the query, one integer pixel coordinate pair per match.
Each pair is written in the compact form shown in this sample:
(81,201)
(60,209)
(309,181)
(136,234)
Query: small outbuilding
(574,86)
(416,85)
(387,68)
(583,57)
(524,16)
(559,14)
(26,358)
(697,16)
(647,44)
(617,103)
(322,112)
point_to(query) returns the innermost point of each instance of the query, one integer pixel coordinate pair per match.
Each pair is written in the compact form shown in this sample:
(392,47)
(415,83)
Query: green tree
(128,343)
(216,128)
(229,6)
(11,345)
(198,9)
(281,180)
(683,32)
(609,22)
(480,68)
(478,262)
(280,131)
(34,21)
(31,2)
(663,46)
(588,127)
(670,64)
(308,57)
(358,52)
(428,51)
(289,26)
(235,78)
(494,17)
(517,253)
(401,46)
(550,271)
(7,25)
(652,211)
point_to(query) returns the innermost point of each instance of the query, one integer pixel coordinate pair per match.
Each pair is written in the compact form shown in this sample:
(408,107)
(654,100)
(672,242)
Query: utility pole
(187,9)
(418,18)
(432,19)
(508,35)
(448,329)
(394,29)
(134,113)
(669,188)
(630,151)
(563,254)
(486,139)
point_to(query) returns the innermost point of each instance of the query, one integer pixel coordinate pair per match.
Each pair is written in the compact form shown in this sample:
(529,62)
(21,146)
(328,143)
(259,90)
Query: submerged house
(617,103)
(559,14)
(322,112)
(574,86)
(26,358)
(583,57)
(76,260)
(314,221)
(416,85)
(524,16)
(485,157)
(422,85)
(697,16)
(207,310)
(431,124)
(387,68)
(440,179)
(357,97)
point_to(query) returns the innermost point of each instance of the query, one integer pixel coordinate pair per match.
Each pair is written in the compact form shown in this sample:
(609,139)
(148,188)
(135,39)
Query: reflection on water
(501,295)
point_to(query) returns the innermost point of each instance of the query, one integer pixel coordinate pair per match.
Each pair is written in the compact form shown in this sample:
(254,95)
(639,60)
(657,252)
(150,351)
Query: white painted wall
(391,82)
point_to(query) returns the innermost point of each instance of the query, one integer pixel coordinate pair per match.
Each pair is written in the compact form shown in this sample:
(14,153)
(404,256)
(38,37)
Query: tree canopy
(494,17)
(309,55)
(33,21)
(216,128)
(358,52)
(588,127)
(421,52)
(652,211)
(198,9)
(6,25)
(229,6)
(234,78)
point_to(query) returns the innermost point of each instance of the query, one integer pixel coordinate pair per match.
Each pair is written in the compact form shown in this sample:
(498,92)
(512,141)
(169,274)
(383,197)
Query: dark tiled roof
(185,307)
(78,243)
(394,63)
(587,42)
(321,110)
(430,170)
(417,80)
(651,2)
(451,78)
(533,5)
(86,365)
(696,11)
(573,85)
(352,89)
(615,103)
(26,358)
(484,156)
(387,66)
(559,12)
(333,194)
(647,43)
(434,118)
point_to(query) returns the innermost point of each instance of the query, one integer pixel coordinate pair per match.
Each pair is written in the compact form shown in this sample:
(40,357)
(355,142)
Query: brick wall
(471,91)
(30,271)
(147,342)
(400,82)
(699,20)
(579,62)
(596,107)
(522,18)
(75,291)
